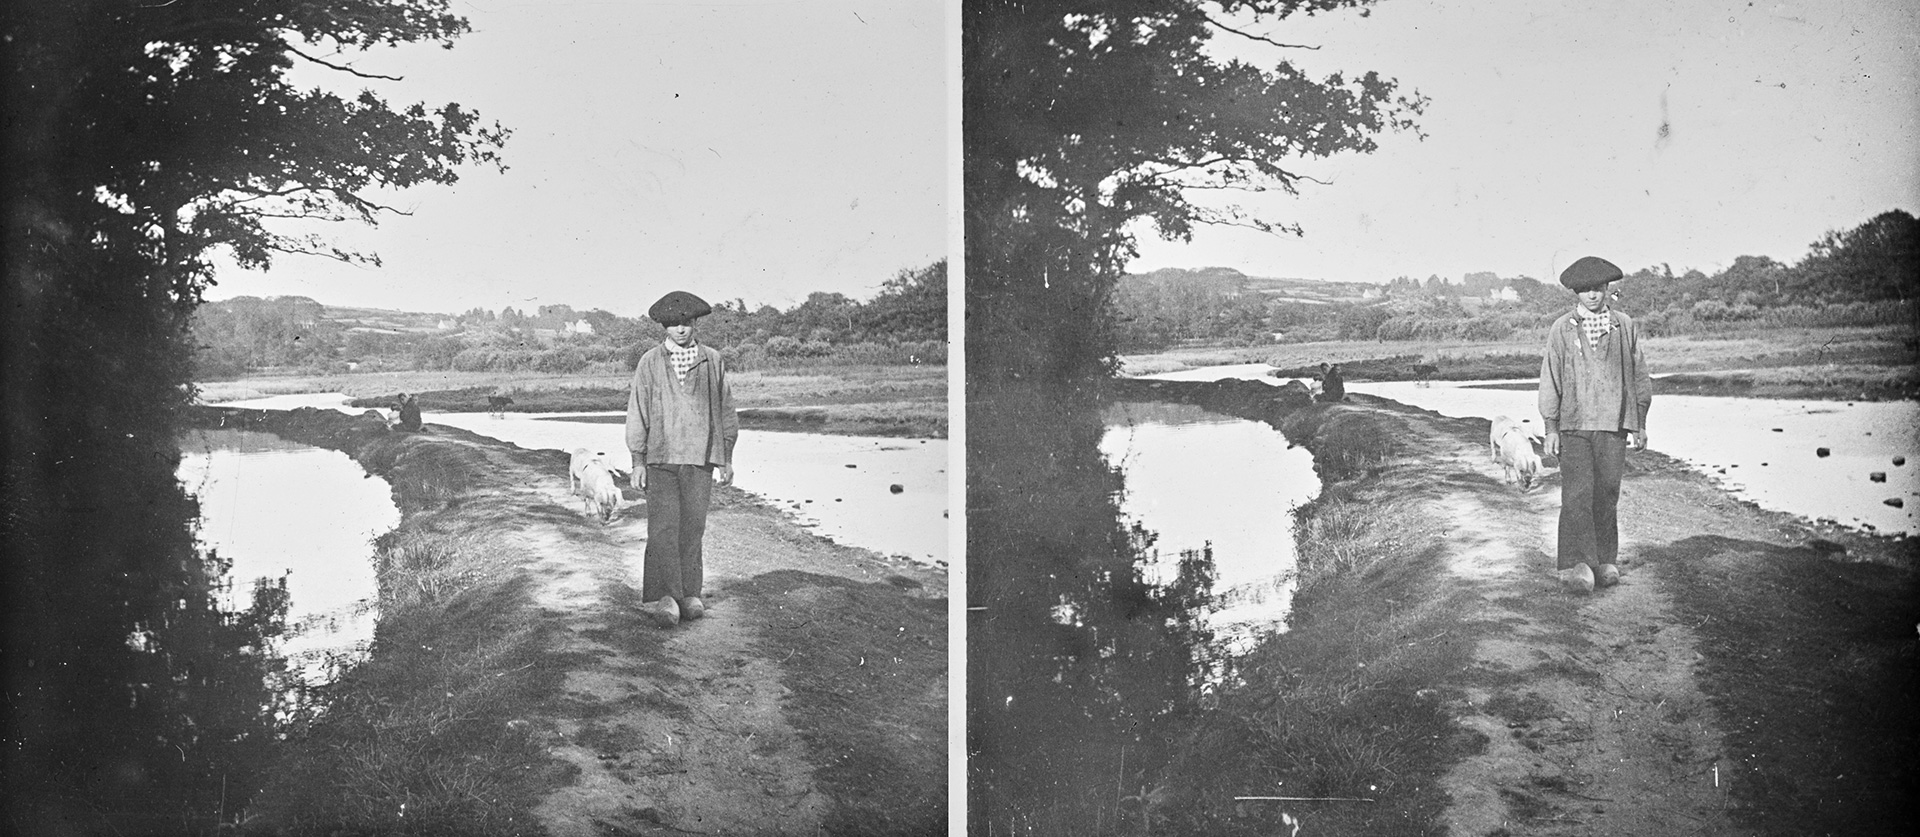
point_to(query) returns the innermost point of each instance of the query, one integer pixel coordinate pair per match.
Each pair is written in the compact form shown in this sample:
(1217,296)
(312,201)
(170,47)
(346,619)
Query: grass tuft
(1346,443)
(417,569)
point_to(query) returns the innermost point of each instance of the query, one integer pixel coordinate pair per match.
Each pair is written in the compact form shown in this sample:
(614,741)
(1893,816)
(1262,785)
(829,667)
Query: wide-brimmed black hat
(1588,273)
(678,307)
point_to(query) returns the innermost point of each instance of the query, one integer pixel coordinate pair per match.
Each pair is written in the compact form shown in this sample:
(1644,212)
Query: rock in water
(1895,502)
(1878,476)
(1822,452)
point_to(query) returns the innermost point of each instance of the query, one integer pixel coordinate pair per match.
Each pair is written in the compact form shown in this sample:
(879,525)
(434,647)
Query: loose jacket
(1585,387)
(674,422)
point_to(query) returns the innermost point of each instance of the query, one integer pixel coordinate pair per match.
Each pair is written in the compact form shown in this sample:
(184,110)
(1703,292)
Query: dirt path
(1593,720)
(1596,714)
(732,724)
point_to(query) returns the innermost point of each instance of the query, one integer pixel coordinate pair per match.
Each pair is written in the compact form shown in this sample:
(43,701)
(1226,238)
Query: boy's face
(681,334)
(1595,298)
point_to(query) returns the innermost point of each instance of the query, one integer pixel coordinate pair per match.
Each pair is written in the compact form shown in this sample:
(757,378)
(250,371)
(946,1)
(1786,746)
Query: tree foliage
(1082,122)
(1877,260)
(1083,118)
(910,306)
(141,138)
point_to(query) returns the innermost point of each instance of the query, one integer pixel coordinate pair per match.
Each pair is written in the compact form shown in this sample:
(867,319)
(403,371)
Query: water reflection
(1079,666)
(1200,479)
(277,509)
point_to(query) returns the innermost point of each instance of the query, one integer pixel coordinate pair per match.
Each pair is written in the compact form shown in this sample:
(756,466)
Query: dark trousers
(677,500)
(1591,462)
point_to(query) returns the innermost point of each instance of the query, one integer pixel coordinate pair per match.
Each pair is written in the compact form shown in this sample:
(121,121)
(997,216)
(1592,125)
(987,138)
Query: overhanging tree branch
(1250,35)
(341,67)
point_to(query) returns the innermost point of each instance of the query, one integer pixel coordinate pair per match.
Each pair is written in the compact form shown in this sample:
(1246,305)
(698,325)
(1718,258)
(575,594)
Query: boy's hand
(723,474)
(639,478)
(1636,440)
(1550,446)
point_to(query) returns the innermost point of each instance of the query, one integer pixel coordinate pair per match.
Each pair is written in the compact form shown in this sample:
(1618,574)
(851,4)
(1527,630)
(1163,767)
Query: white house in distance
(578,327)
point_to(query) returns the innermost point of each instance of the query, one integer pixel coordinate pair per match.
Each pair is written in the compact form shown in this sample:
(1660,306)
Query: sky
(1783,120)
(740,150)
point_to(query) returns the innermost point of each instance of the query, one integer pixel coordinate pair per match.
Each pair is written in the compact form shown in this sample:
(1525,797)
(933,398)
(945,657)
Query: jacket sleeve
(637,414)
(1550,369)
(729,420)
(1642,382)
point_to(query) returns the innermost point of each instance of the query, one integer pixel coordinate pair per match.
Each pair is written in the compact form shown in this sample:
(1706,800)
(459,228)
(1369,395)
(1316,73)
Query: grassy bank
(1339,724)
(427,735)
(1850,363)
(1341,720)
(858,400)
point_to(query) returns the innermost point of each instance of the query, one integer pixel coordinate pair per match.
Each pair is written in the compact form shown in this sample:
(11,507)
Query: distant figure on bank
(681,428)
(1333,386)
(409,411)
(497,405)
(1594,395)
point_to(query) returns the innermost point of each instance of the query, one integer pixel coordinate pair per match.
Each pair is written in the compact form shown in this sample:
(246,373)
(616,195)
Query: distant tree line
(1869,275)
(904,323)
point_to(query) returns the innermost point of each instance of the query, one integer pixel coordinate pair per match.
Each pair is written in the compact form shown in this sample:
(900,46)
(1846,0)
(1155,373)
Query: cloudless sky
(757,151)
(1783,120)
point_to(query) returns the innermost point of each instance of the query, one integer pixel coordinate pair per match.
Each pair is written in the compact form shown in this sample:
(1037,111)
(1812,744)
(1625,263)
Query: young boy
(1594,395)
(681,428)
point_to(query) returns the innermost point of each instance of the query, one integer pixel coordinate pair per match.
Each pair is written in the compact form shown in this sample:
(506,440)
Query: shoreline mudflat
(513,687)
(1753,673)
(1846,363)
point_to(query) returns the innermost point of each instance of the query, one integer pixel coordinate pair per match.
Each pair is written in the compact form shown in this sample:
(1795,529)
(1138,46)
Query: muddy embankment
(1753,673)
(1882,379)
(860,417)
(513,687)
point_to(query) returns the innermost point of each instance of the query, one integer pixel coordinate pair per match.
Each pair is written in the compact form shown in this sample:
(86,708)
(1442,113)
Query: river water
(1200,479)
(1766,450)
(276,508)
(841,487)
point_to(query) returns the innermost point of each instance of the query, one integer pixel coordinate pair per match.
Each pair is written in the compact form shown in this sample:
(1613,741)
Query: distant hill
(314,313)
(1313,291)
(1229,282)
(386,321)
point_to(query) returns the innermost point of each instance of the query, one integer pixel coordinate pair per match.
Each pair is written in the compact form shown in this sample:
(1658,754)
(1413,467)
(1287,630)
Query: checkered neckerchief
(682,359)
(1594,325)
